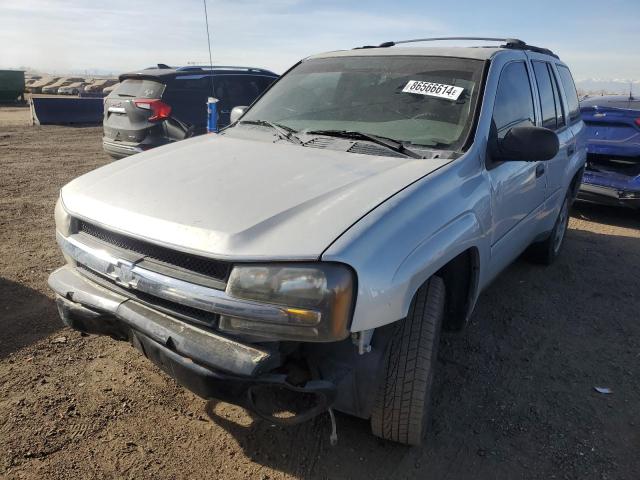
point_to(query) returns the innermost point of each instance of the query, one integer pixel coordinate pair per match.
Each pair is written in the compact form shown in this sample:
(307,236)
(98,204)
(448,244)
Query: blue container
(212,115)
(66,110)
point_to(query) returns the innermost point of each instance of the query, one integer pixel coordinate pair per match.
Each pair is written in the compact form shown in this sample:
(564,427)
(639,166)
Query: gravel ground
(514,393)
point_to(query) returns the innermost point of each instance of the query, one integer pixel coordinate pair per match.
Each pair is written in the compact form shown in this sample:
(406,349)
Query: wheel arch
(574,186)
(458,263)
(461,279)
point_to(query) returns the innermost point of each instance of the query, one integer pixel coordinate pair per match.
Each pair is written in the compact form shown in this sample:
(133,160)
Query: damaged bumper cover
(610,189)
(210,365)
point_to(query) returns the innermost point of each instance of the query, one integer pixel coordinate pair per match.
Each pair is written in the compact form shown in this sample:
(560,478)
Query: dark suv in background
(163,104)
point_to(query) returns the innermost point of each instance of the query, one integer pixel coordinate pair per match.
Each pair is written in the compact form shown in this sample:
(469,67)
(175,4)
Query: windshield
(415,99)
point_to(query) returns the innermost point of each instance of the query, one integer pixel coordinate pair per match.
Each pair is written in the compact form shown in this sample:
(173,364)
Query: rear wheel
(402,405)
(547,251)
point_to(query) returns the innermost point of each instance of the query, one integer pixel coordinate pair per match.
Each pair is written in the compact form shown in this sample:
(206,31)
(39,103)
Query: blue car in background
(612,175)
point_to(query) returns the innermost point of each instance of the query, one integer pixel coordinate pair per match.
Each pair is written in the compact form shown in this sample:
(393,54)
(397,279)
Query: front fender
(461,234)
(404,241)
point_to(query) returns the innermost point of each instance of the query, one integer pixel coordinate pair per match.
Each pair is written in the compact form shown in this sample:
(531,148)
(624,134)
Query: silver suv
(307,257)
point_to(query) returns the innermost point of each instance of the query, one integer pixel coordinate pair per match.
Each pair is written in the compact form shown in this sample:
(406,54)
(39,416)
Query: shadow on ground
(26,316)
(514,393)
(607,215)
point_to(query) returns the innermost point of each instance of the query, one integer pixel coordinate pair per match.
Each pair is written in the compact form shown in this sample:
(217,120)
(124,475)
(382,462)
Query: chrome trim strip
(121,146)
(128,274)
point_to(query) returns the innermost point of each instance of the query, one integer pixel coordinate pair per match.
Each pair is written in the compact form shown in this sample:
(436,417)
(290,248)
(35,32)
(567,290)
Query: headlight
(63,219)
(318,299)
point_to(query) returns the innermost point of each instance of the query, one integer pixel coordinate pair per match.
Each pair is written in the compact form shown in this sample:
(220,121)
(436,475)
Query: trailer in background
(66,110)
(11,85)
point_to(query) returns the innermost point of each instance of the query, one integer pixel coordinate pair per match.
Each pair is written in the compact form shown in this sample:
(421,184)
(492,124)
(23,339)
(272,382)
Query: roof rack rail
(221,67)
(508,41)
(513,43)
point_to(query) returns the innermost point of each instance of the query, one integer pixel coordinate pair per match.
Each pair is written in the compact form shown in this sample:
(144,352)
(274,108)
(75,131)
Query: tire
(546,252)
(403,400)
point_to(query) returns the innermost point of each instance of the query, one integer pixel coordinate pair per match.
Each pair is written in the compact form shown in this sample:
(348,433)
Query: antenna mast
(206,19)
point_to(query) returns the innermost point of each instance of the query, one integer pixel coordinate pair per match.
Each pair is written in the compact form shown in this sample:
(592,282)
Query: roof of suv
(473,52)
(478,53)
(162,71)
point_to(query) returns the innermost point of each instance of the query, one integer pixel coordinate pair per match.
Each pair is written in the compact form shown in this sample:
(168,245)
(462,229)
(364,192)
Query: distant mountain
(600,86)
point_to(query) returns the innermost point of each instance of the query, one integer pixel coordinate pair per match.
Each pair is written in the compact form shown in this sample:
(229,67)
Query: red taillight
(637,120)
(159,109)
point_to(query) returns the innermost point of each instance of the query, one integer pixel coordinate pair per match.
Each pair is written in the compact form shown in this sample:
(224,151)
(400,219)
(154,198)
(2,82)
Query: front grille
(204,266)
(190,314)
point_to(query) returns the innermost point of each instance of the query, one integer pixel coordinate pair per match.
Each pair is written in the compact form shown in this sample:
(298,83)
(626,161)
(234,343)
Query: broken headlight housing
(317,299)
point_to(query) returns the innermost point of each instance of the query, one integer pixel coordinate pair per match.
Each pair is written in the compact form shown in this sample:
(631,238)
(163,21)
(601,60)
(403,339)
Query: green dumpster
(11,85)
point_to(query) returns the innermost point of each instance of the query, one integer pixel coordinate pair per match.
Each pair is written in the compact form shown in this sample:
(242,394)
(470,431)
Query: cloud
(121,35)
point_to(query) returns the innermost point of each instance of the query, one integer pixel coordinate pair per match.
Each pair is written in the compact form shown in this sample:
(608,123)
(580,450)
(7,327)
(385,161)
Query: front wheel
(547,251)
(403,401)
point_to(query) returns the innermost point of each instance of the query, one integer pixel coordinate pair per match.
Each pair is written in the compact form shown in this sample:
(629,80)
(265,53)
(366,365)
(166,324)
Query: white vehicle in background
(38,85)
(106,91)
(98,86)
(73,88)
(62,82)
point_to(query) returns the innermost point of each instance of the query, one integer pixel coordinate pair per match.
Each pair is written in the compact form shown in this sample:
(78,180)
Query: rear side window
(240,90)
(570,92)
(139,88)
(561,120)
(545,91)
(514,102)
(550,104)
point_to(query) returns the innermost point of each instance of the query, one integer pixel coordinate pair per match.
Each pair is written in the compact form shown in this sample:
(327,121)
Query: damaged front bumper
(610,188)
(210,365)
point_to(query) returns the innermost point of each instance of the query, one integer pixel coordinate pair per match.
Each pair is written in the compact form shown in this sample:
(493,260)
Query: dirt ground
(514,393)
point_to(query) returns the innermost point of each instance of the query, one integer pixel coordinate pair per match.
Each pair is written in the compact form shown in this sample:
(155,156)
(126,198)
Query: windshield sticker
(433,89)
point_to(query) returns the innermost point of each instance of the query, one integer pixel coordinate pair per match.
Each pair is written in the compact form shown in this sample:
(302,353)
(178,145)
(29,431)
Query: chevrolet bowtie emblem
(122,273)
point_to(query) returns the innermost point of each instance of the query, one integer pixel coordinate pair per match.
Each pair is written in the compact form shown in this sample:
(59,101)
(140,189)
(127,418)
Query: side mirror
(528,144)
(236,113)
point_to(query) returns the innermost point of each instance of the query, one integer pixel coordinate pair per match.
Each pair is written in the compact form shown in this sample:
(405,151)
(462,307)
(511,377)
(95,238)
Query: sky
(597,39)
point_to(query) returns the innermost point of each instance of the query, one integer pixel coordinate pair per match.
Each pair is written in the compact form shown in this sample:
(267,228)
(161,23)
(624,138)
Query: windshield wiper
(390,143)
(287,133)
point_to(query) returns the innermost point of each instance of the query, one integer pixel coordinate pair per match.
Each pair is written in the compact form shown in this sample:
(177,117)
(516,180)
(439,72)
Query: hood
(240,199)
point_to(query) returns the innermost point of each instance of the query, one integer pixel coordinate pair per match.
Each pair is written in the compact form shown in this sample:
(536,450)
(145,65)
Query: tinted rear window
(133,87)
(558,98)
(233,90)
(545,90)
(237,90)
(570,92)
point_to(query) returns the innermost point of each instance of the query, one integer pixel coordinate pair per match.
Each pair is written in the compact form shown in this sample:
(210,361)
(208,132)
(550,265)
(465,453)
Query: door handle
(571,149)
(540,170)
